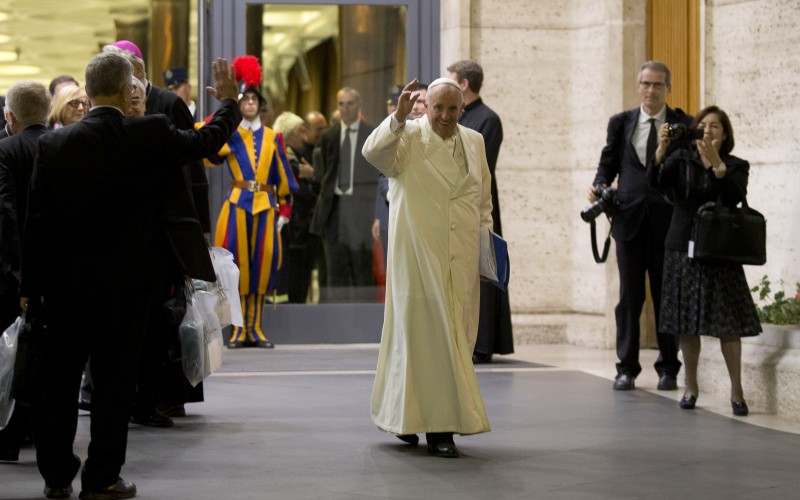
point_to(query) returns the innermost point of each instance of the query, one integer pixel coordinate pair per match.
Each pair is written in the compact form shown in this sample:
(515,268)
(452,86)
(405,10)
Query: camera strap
(593,233)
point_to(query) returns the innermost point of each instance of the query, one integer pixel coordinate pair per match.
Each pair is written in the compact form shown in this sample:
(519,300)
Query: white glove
(282,220)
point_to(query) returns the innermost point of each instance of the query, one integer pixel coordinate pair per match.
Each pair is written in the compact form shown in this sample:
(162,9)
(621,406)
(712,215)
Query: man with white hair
(27,103)
(439,198)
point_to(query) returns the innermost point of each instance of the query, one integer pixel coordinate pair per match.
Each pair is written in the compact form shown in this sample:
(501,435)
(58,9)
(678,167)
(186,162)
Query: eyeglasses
(75,103)
(654,85)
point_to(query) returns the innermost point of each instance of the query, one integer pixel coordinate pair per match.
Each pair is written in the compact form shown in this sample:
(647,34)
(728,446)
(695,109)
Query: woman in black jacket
(700,299)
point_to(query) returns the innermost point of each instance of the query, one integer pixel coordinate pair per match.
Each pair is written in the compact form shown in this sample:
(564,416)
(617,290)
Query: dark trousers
(12,437)
(495,335)
(644,253)
(109,328)
(161,380)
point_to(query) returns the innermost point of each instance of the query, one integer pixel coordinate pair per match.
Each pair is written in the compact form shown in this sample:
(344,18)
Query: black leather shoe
(687,402)
(481,358)
(117,491)
(84,405)
(440,444)
(411,439)
(667,383)
(154,419)
(265,344)
(624,382)
(740,408)
(64,492)
(172,411)
(443,449)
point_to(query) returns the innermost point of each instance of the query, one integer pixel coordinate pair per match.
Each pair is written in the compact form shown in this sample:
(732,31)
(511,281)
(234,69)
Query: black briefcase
(728,235)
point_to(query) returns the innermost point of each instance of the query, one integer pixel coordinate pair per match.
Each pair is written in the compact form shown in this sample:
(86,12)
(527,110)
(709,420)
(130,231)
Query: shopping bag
(200,337)
(229,308)
(8,354)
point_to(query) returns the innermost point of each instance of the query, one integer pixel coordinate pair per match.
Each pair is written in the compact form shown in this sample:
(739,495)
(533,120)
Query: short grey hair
(132,58)
(139,86)
(287,122)
(656,66)
(29,101)
(106,74)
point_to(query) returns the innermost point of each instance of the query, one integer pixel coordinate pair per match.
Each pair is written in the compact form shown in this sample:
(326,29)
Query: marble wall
(555,72)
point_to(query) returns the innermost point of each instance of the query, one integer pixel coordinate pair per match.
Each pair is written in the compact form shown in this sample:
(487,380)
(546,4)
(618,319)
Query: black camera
(677,131)
(606,203)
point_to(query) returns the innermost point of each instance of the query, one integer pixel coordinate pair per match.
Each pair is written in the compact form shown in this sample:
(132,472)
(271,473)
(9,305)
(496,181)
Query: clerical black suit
(639,230)
(17,153)
(344,221)
(495,335)
(90,249)
(185,219)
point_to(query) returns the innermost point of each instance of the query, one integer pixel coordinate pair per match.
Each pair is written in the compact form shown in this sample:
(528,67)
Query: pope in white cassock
(439,197)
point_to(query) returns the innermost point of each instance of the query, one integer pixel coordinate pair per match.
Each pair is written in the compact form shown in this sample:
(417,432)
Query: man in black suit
(343,215)
(185,222)
(640,226)
(26,108)
(495,334)
(91,259)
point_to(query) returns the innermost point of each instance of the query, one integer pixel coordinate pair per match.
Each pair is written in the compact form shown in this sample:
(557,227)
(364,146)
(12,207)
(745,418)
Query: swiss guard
(258,206)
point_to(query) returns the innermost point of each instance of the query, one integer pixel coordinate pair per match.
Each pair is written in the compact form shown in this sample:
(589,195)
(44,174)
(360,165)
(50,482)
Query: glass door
(309,50)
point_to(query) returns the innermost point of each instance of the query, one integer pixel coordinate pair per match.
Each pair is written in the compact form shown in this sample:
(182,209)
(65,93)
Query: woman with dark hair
(701,299)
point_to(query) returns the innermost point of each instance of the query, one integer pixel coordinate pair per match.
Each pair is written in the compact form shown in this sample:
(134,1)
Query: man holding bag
(89,256)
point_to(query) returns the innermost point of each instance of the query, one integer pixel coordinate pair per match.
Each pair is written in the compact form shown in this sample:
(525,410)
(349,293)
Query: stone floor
(294,423)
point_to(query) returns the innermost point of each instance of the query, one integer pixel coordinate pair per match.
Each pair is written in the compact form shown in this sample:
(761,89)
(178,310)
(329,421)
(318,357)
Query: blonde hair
(287,122)
(65,95)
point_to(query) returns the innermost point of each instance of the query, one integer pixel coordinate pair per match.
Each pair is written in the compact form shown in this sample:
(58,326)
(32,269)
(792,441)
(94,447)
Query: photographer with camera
(701,298)
(641,221)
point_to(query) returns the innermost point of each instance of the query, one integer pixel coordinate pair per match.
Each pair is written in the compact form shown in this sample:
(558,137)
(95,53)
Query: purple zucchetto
(129,46)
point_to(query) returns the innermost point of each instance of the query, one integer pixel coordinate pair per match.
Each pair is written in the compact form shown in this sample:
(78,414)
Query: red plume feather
(248,70)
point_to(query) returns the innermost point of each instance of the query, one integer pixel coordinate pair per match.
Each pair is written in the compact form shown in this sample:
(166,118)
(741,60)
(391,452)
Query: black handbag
(728,235)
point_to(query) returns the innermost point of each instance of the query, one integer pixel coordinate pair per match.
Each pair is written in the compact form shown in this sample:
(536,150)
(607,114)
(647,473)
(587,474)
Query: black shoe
(687,402)
(64,492)
(411,439)
(624,382)
(264,344)
(84,405)
(172,411)
(481,358)
(667,383)
(440,444)
(9,455)
(740,408)
(117,491)
(154,419)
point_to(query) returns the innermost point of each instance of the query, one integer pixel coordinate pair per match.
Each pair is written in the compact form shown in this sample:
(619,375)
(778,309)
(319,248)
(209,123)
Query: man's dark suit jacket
(363,173)
(186,214)
(17,153)
(636,199)
(96,197)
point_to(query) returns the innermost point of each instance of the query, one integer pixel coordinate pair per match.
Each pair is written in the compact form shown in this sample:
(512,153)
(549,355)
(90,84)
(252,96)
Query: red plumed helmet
(248,74)
(248,70)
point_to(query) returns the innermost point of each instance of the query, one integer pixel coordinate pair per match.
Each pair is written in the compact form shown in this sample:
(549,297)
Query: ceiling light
(3,16)
(7,56)
(19,70)
(4,38)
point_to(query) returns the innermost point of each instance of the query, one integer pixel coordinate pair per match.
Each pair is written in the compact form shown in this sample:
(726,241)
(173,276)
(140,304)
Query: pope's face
(445,104)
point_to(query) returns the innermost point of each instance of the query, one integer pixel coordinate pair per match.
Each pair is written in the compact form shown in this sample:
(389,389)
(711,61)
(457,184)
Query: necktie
(652,140)
(345,162)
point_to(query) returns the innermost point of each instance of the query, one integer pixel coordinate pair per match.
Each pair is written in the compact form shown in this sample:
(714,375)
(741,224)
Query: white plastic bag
(200,337)
(229,308)
(8,355)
